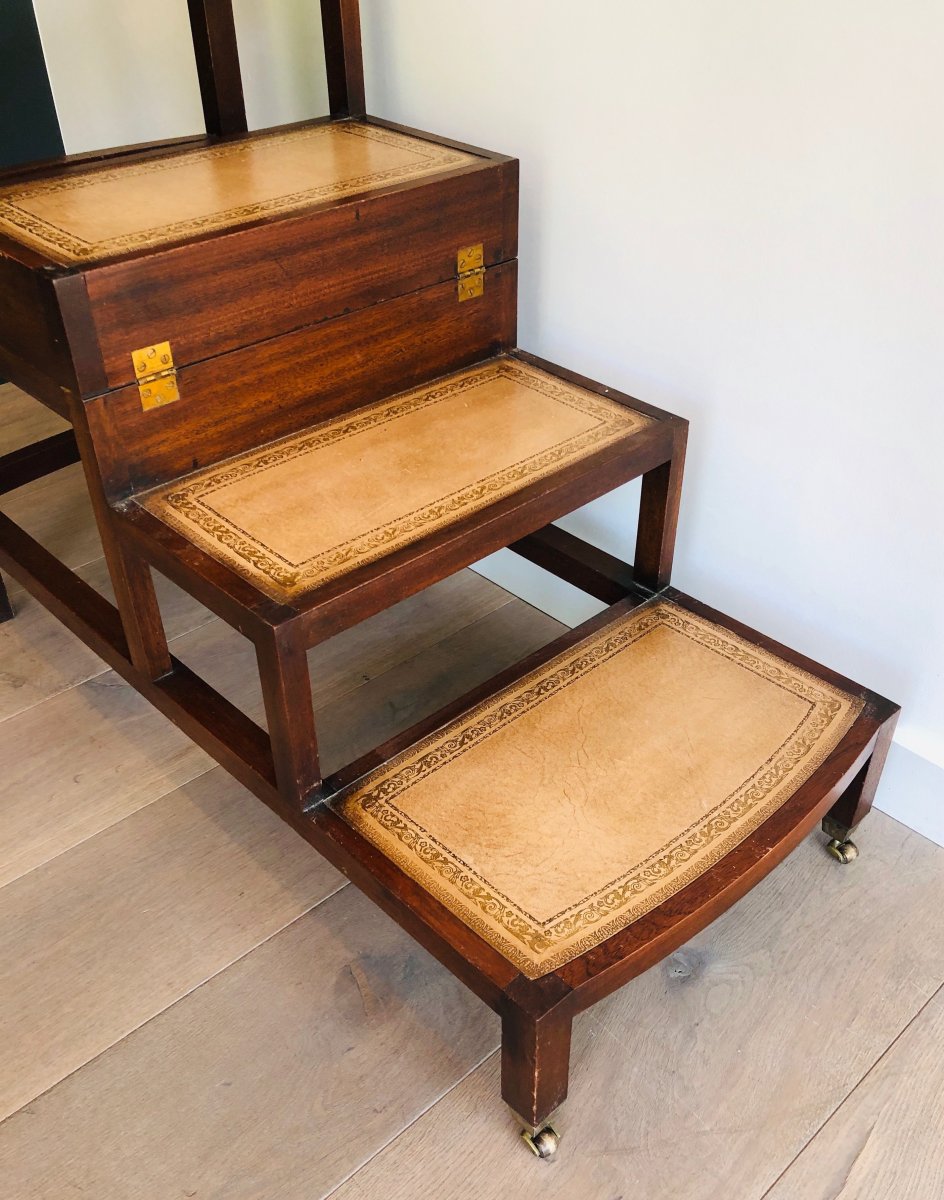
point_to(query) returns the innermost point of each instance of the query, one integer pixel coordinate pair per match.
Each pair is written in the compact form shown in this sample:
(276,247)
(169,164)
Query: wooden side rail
(344,63)
(214,46)
(595,572)
(217,55)
(39,459)
(226,733)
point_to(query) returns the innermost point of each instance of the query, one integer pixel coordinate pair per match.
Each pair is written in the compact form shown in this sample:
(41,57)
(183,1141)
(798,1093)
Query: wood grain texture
(105,753)
(276,1079)
(706,1076)
(103,938)
(278,277)
(885,1139)
(242,400)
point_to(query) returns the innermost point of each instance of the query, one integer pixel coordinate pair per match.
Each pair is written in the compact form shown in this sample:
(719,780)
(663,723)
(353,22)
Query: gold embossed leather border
(426,158)
(188,505)
(376,809)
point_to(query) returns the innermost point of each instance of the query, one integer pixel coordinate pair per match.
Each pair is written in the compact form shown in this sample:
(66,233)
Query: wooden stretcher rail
(595,572)
(37,460)
(226,733)
(536,1013)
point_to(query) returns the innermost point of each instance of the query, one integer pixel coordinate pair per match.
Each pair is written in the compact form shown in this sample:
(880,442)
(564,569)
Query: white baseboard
(912,791)
(912,787)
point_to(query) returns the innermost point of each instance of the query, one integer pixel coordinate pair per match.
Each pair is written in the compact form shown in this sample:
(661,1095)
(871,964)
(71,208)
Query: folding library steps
(290,362)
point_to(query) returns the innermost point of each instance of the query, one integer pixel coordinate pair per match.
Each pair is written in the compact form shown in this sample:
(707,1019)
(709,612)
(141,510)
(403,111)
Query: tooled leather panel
(311,507)
(97,213)
(562,810)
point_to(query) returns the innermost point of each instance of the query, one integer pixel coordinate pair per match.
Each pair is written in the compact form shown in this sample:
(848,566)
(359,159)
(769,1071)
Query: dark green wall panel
(28,125)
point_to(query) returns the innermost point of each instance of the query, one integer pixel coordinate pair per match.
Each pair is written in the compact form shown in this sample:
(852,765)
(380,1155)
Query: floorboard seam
(408,1126)
(184,783)
(344,883)
(106,669)
(859,1082)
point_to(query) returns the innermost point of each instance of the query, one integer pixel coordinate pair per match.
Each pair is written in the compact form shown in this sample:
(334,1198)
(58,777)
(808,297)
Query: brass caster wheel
(843,852)
(544,1143)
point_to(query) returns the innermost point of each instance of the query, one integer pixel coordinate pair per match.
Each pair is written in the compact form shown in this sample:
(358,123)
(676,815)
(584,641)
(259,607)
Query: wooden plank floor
(192,1003)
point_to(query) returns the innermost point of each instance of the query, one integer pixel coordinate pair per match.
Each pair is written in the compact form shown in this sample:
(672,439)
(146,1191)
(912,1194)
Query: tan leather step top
(304,510)
(563,809)
(97,213)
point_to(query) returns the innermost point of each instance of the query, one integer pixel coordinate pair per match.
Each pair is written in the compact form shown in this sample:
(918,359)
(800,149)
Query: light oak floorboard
(887,1139)
(40,657)
(365,718)
(30,906)
(24,420)
(273,1081)
(105,937)
(112,753)
(706,1076)
(57,512)
(79,762)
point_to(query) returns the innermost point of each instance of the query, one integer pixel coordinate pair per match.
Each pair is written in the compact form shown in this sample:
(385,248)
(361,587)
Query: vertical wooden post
(344,61)
(213,30)
(856,801)
(286,692)
(658,518)
(130,574)
(535,1063)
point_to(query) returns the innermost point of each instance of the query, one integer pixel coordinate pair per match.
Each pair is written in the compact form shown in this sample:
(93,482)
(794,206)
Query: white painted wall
(733,209)
(122,71)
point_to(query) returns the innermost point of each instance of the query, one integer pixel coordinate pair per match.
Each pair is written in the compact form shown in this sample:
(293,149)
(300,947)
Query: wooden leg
(286,691)
(658,519)
(130,574)
(535,1064)
(7,612)
(140,610)
(856,801)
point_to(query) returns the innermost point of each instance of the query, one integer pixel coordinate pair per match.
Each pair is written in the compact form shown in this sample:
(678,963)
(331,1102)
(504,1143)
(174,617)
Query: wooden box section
(214,247)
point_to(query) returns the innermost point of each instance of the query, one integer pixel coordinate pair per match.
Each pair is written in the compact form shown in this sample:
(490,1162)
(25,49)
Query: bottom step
(571,804)
(581,822)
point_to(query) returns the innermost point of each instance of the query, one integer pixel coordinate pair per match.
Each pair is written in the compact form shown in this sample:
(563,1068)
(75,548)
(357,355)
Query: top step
(132,206)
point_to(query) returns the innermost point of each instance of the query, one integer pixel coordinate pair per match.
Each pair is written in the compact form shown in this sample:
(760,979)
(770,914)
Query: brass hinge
(156,375)
(471,272)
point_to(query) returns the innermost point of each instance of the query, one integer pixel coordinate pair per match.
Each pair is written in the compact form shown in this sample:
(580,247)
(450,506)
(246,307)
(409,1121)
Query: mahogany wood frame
(213,30)
(281,767)
(283,632)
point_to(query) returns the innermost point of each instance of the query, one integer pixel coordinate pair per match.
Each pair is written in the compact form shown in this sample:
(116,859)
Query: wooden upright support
(344,62)
(221,85)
